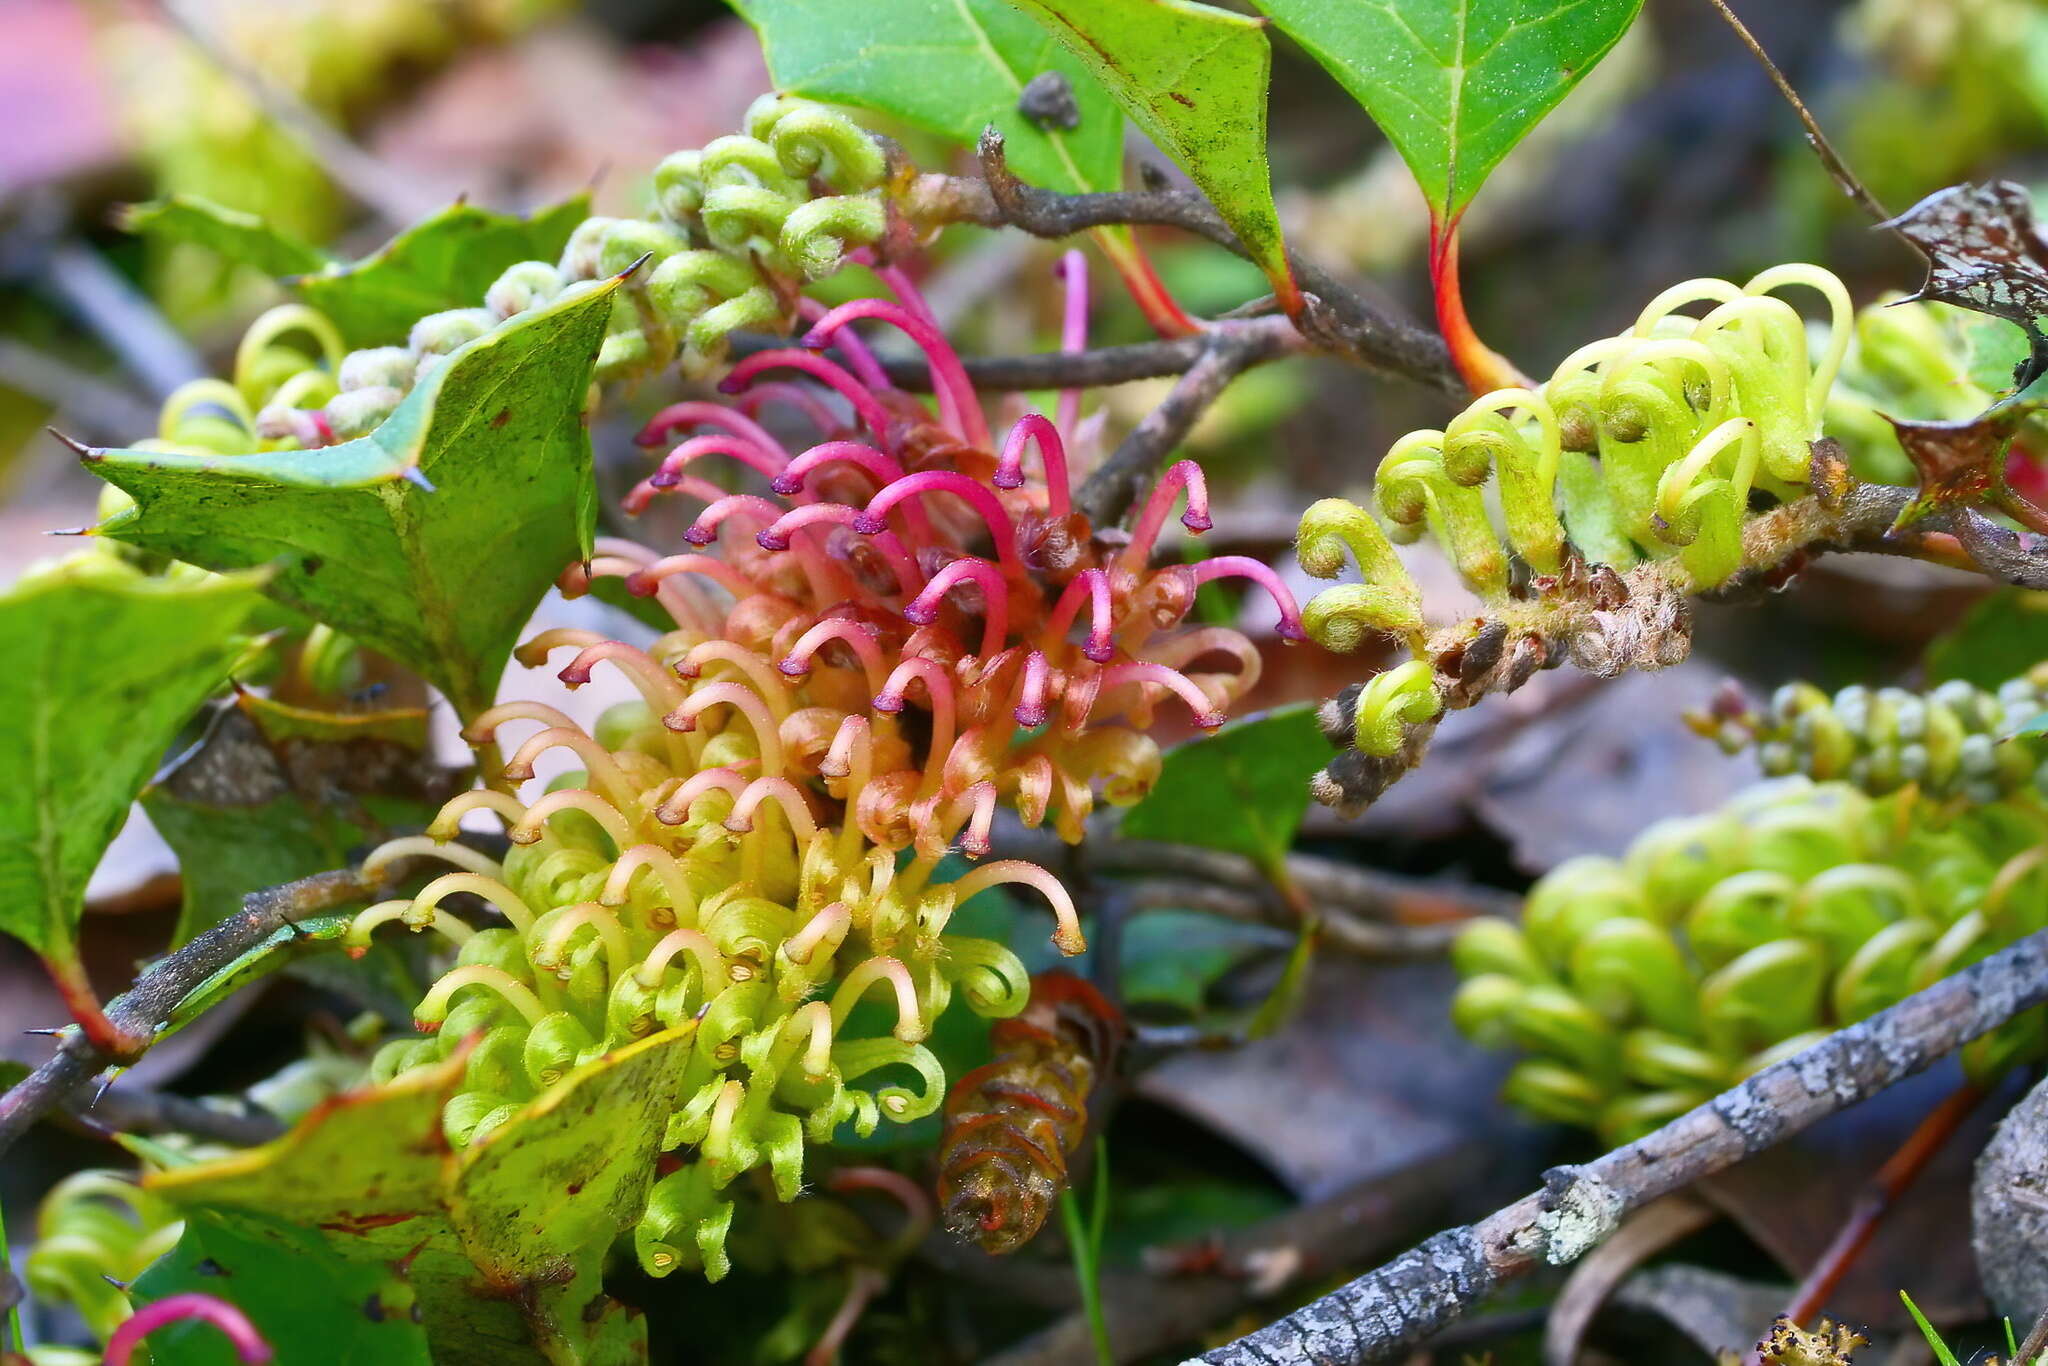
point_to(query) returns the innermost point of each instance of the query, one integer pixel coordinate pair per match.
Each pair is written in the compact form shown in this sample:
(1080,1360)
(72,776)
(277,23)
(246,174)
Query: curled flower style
(1956,741)
(909,630)
(1624,482)
(1642,986)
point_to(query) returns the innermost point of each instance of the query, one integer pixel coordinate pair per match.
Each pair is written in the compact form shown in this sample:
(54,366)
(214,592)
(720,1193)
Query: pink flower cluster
(994,632)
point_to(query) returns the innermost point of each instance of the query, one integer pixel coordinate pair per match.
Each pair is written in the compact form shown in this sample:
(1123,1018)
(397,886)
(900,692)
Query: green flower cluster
(1957,740)
(1642,986)
(738,228)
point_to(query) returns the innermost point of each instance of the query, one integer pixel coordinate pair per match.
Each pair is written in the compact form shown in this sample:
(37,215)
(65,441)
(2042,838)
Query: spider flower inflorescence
(911,629)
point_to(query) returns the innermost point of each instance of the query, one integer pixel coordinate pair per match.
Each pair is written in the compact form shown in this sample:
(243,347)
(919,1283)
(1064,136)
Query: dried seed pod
(1011,1125)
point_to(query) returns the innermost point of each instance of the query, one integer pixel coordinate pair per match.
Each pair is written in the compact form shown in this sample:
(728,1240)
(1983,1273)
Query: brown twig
(1148,1312)
(1900,1170)
(1048,369)
(1403,1302)
(138,1013)
(138,1110)
(2036,1343)
(1228,350)
(1822,148)
(1331,886)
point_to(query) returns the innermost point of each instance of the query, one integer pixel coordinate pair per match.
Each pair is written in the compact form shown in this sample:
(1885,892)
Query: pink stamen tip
(696,413)
(889,702)
(977,496)
(768,540)
(958,407)
(785,485)
(1183,475)
(250,1347)
(876,463)
(699,534)
(1031,710)
(641,585)
(1010,468)
(920,612)
(867,524)
(1262,574)
(866,406)
(794,667)
(574,675)
(1005,478)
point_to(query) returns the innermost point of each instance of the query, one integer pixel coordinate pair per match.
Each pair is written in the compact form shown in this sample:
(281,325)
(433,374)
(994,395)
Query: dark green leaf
(1172,958)
(104,666)
(441,579)
(240,237)
(273,793)
(313,1307)
(1242,789)
(2001,637)
(1455,84)
(446,261)
(1194,78)
(950,67)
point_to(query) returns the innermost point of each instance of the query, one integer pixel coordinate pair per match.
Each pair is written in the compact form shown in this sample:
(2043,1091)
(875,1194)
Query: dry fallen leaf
(1984,254)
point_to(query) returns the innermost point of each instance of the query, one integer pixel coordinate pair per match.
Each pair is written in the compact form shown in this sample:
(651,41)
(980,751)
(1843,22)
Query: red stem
(1147,290)
(1483,368)
(1900,1170)
(84,1005)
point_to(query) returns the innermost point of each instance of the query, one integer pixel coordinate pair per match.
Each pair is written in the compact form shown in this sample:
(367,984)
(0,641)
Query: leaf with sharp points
(240,237)
(104,666)
(571,1170)
(1455,84)
(533,1206)
(446,261)
(950,67)
(1194,78)
(440,579)
(1242,789)
(311,1306)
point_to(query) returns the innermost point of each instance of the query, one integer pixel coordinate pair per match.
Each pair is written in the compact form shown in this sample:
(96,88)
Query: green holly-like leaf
(432,538)
(311,1306)
(446,261)
(950,67)
(1194,78)
(503,1241)
(1242,789)
(1455,84)
(241,237)
(104,666)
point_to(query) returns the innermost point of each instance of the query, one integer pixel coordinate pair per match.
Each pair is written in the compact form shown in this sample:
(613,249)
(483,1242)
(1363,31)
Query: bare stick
(1048,369)
(1382,1313)
(138,1013)
(1822,148)
(1113,486)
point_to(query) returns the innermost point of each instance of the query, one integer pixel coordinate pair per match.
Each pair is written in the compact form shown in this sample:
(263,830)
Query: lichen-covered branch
(138,1013)
(1387,1310)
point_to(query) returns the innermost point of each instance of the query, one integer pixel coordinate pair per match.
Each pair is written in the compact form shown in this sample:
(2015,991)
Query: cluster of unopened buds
(738,228)
(1642,986)
(1955,741)
(914,630)
(1641,452)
